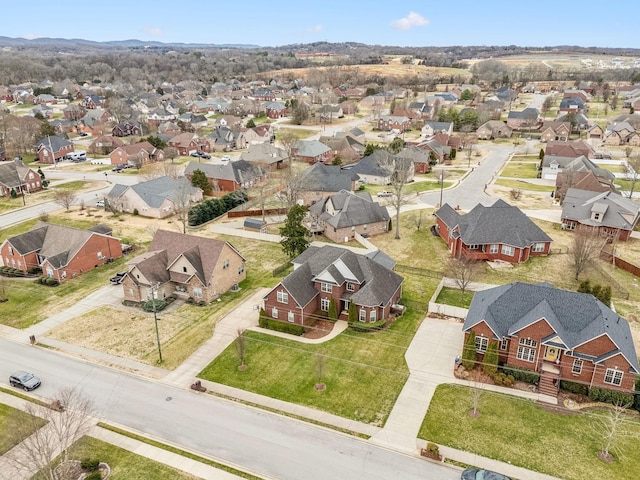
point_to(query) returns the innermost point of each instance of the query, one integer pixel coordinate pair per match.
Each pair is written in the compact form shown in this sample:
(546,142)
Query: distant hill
(77,42)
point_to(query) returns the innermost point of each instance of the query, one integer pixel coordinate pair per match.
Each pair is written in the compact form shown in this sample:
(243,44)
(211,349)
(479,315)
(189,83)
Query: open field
(520,432)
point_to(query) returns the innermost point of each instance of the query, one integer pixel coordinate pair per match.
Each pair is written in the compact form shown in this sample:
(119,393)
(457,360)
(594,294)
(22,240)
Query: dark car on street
(24,380)
(479,474)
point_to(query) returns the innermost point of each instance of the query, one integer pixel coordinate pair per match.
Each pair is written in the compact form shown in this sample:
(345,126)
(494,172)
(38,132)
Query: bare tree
(463,271)
(320,365)
(4,289)
(399,171)
(182,204)
(64,198)
(288,142)
(586,244)
(633,172)
(171,153)
(417,221)
(610,427)
(292,183)
(241,347)
(67,419)
(515,193)
(475,392)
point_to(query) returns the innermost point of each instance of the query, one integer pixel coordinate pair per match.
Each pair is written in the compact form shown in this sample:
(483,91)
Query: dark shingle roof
(617,211)
(327,178)
(350,210)
(575,317)
(499,223)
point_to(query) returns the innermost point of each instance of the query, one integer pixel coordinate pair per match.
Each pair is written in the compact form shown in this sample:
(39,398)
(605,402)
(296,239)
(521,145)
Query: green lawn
(520,170)
(299,133)
(452,296)
(364,373)
(613,168)
(522,185)
(520,432)
(8,414)
(124,465)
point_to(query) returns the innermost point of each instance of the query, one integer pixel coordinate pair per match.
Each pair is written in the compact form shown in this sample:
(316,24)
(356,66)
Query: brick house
(388,123)
(62,252)
(312,151)
(527,119)
(228,176)
(558,131)
(586,180)
(499,232)
(380,166)
(104,144)
(320,274)
(18,177)
(51,149)
(572,148)
(275,109)
(186,266)
(612,214)
(340,216)
(136,154)
(562,335)
(187,143)
(125,129)
(321,180)
(420,157)
(494,129)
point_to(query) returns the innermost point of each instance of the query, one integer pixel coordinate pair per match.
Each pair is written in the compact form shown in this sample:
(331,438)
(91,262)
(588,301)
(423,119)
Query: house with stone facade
(185,266)
(322,274)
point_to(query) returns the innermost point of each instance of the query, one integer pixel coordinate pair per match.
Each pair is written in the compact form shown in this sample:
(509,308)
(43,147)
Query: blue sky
(269,23)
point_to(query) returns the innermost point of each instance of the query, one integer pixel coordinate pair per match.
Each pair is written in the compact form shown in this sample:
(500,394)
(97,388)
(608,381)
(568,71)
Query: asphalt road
(266,444)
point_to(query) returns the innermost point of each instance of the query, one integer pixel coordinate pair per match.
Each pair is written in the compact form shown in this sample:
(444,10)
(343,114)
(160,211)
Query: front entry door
(552,354)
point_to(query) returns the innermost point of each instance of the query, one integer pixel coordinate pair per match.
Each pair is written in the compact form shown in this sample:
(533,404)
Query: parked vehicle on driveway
(24,380)
(100,204)
(117,278)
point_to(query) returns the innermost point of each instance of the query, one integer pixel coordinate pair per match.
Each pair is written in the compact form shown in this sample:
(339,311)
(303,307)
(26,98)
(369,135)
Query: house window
(577,366)
(538,247)
(10,250)
(283,297)
(197,292)
(504,343)
(527,350)
(324,304)
(350,287)
(325,287)
(569,226)
(493,248)
(596,216)
(362,315)
(241,269)
(274,312)
(372,315)
(473,246)
(481,344)
(225,264)
(507,250)
(100,257)
(346,305)
(613,376)
(290,317)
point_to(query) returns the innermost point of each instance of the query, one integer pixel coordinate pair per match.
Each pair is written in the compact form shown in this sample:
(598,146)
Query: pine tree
(469,351)
(490,363)
(199,179)
(333,311)
(353,313)
(294,234)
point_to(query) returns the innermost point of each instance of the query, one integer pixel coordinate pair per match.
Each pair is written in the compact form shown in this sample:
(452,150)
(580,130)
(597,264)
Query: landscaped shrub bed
(213,208)
(278,326)
(521,374)
(49,282)
(155,305)
(614,397)
(368,326)
(573,387)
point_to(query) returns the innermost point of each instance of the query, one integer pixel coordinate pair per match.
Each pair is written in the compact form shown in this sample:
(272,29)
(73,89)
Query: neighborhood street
(267,444)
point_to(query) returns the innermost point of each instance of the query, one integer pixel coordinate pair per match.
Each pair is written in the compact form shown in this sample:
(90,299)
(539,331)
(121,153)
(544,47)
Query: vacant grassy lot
(520,170)
(524,185)
(8,414)
(364,373)
(454,296)
(125,465)
(520,432)
(299,133)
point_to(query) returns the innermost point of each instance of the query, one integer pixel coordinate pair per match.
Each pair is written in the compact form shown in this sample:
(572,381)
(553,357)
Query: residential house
(160,197)
(572,105)
(265,155)
(613,215)
(126,128)
(228,176)
(192,119)
(341,215)
(494,129)
(185,266)
(61,252)
(223,139)
(3,154)
(18,177)
(561,335)
(578,121)
(52,149)
(432,128)
(93,101)
(136,154)
(595,132)
(572,148)
(187,143)
(583,180)
(440,153)
(527,119)
(105,144)
(311,151)
(329,112)
(552,165)
(374,169)
(275,109)
(258,134)
(506,94)
(499,232)
(345,147)
(621,133)
(323,274)
(321,180)
(420,157)
(73,112)
(555,131)
(392,123)
(159,115)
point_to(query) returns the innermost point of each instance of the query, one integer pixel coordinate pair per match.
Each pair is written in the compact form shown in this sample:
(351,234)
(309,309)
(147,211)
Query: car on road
(118,168)
(480,474)
(385,193)
(226,158)
(117,278)
(100,204)
(24,380)
(200,154)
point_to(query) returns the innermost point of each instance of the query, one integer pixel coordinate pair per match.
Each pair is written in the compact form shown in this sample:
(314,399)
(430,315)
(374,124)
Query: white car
(100,204)
(226,158)
(385,193)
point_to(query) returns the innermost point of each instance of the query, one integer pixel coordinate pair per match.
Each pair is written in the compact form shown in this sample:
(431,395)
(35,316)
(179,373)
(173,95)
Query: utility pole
(154,293)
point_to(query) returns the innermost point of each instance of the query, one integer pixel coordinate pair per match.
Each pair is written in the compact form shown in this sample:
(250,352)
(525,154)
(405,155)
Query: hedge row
(574,387)
(11,272)
(156,305)
(278,326)
(50,282)
(213,208)
(368,326)
(614,397)
(521,374)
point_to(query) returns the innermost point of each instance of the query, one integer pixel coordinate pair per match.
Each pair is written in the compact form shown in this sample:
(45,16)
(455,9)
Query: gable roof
(350,210)
(327,178)
(239,171)
(310,148)
(12,174)
(264,153)
(500,223)
(575,317)
(373,164)
(155,191)
(617,211)
(53,143)
(338,265)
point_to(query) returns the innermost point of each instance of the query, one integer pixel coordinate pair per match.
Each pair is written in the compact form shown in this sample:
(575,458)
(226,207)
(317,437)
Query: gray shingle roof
(500,223)
(327,178)
(12,174)
(310,148)
(378,283)
(575,317)
(53,143)
(371,164)
(239,171)
(617,211)
(155,191)
(350,210)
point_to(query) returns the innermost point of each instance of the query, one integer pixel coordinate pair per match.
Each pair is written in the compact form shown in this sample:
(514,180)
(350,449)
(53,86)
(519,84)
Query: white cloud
(412,20)
(315,29)
(153,31)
